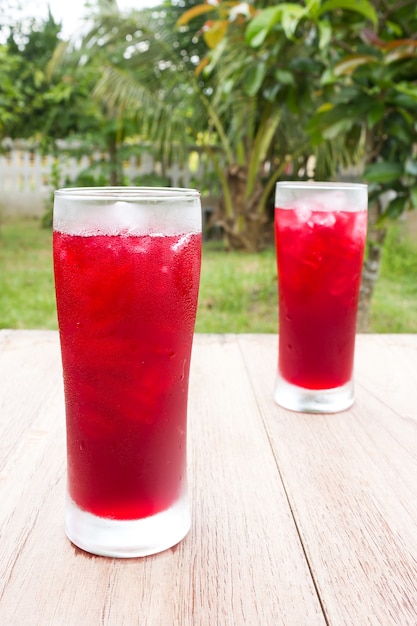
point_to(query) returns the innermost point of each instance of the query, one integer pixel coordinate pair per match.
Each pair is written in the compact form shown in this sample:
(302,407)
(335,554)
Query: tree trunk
(244,228)
(372,266)
(114,162)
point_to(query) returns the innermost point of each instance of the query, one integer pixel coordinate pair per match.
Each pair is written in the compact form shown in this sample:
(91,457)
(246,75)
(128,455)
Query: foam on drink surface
(325,211)
(329,202)
(172,216)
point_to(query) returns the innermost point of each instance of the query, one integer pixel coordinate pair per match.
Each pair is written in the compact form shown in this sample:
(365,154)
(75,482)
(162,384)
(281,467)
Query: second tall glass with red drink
(320,233)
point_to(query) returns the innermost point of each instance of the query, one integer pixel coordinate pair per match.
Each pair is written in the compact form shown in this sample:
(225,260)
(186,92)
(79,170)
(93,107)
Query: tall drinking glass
(127,268)
(320,232)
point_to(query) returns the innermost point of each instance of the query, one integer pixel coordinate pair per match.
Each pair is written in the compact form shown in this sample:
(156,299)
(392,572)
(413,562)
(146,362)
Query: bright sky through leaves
(71,12)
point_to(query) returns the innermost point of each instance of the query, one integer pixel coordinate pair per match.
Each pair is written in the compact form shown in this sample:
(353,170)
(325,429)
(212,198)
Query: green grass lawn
(237,293)
(27,297)
(395,299)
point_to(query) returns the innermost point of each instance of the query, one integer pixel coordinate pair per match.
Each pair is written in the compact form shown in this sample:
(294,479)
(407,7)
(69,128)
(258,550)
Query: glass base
(127,538)
(303,400)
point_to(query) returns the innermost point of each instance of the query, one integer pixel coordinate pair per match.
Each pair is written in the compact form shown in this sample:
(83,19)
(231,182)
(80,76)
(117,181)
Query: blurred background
(227,97)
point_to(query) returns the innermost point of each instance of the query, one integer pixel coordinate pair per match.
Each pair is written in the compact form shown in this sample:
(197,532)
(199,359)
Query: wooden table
(298,519)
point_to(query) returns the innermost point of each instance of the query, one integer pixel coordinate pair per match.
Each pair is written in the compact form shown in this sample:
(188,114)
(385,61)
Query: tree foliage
(348,66)
(359,103)
(26,110)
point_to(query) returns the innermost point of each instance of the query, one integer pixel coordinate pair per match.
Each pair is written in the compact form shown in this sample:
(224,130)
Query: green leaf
(328,77)
(228,86)
(38,78)
(413,197)
(292,100)
(383,172)
(264,136)
(396,207)
(409,89)
(288,13)
(397,130)
(325,33)
(292,14)
(254,77)
(284,77)
(313,7)
(342,126)
(261,25)
(408,117)
(376,113)
(363,7)
(271,93)
(394,28)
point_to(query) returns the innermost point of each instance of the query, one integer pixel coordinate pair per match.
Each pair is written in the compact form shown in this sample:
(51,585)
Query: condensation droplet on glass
(183,369)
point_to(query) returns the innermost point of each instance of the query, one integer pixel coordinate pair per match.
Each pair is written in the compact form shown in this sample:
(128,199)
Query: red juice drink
(127,266)
(320,234)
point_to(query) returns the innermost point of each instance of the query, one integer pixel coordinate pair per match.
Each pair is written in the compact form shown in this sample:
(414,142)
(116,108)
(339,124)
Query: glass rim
(127,193)
(313,184)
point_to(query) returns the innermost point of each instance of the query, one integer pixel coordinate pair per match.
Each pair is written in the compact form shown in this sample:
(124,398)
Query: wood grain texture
(242,563)
(351,480)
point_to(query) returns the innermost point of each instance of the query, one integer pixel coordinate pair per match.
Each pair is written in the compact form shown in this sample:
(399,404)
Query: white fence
(26,176)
